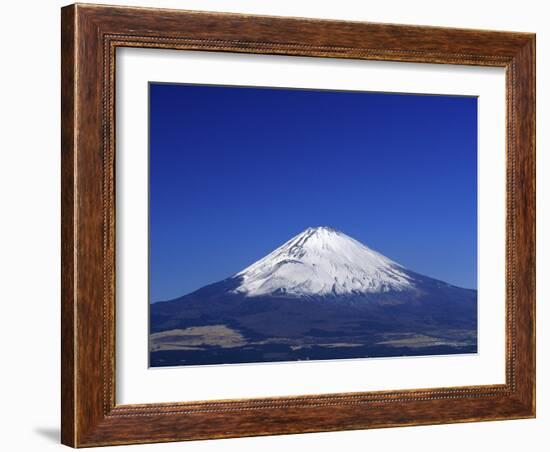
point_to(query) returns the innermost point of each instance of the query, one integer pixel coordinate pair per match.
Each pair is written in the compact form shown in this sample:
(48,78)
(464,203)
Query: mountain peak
(322,233)
(320,229)
(322,261)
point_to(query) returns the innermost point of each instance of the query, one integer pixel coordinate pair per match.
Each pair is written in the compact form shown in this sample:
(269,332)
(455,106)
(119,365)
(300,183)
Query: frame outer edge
(534,225)
(68,242)
(525,62)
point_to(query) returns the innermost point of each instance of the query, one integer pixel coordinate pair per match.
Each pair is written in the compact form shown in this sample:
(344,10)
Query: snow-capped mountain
(321,295)
(322,261)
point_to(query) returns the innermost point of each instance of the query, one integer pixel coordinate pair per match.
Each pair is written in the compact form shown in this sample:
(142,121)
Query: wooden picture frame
(90,36)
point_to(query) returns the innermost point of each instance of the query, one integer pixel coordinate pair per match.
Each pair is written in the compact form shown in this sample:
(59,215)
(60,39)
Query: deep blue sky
(235,172)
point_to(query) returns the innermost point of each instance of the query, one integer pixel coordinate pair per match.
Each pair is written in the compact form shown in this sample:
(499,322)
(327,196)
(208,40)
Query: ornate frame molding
(90,36)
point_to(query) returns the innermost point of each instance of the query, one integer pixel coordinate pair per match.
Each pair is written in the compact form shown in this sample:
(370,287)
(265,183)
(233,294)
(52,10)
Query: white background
(29,188)
(137,384)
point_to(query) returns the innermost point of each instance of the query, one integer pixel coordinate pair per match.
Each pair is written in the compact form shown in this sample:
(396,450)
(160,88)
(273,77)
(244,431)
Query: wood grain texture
(90,36)
(68,147)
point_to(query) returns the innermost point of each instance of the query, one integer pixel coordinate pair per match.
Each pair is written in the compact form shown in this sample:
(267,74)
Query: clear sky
(235,172)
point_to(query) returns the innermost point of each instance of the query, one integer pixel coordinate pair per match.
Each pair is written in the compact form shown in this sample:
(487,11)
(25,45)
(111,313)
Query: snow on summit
(322,261)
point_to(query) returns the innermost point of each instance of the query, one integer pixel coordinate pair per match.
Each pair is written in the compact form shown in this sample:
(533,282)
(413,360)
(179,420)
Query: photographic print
(298,224)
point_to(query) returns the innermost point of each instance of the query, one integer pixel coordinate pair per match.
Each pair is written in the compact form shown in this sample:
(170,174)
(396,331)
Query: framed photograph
(280,225)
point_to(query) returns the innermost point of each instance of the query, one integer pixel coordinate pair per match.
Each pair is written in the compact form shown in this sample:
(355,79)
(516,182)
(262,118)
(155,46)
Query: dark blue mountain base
(217,326)
(281,353)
